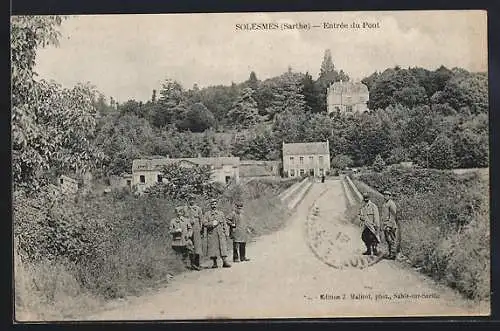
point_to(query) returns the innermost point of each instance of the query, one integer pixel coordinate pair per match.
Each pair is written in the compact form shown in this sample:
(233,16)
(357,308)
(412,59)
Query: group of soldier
(192,231)
(370,222)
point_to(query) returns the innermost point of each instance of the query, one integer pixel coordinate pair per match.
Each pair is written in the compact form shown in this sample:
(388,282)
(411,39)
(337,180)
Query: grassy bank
(444,220)
(74,254)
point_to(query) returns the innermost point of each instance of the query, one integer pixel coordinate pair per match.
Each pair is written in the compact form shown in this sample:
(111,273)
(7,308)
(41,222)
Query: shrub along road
(285,278)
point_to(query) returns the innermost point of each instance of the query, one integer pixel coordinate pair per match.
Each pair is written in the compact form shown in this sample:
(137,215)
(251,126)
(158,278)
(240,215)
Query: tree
(341,161)
(311,94)
(441,153)
(252,81)
(378,163)
(171,104)
(287,96)
(327,76)
(197,119)
(244,112)
(52,127)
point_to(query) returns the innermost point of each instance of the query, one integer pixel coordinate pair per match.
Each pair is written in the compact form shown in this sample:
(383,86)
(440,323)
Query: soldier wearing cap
(215,223)
(389,224)
(238,233)
(370,221)
(181,243)
(194,216)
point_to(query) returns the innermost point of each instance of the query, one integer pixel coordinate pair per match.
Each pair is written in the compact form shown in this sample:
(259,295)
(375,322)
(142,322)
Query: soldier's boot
(197,261)
(368,249)
(236,257)
(214,265)
(243,252)
(193,262)
(375,250)
(225,264)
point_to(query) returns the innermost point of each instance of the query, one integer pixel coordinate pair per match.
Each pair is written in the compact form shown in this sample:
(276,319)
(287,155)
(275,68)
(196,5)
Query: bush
(444,220)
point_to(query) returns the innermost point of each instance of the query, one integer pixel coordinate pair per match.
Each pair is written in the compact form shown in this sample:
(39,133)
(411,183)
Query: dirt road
(285,279)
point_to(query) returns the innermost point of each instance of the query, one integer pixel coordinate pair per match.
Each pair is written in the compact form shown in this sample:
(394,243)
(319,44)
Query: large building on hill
(301,159)
(147,172)
(347,97)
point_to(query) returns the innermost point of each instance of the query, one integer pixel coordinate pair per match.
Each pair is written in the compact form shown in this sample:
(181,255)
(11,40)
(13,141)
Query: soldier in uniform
(181,243)
(238,233)
(194,216)
(369,217)
(217,231)
(389,224)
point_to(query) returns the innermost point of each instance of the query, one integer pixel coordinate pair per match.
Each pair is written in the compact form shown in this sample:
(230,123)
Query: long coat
(238,227)
(369,215)
(216,234)
(179,231)
(195,216)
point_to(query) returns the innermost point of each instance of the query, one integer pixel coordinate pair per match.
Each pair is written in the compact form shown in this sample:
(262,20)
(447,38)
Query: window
(311,159)
(292,172)
(228,178)
(311,172)
(291,159)
(160,178)
(321,160)
(61,181)
(129,182)
(302,171)
(142,178)
(301,160)
(348,109)
(321,172)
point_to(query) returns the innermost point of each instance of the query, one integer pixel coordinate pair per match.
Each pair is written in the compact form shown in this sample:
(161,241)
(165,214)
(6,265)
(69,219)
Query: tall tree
(287,96)
(244,112)
(52,127)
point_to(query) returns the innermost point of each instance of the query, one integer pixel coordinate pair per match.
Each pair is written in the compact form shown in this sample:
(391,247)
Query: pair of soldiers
(370,221)
(218,228)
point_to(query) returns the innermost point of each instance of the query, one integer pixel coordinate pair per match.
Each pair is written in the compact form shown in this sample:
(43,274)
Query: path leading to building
(286,279)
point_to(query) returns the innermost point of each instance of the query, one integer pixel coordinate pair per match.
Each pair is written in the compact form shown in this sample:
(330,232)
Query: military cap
(387,193)
(366,196)
(213,200)
(179,209)
(239,204)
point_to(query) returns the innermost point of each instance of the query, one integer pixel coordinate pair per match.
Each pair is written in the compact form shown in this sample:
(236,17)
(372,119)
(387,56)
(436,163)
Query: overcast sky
(127,56)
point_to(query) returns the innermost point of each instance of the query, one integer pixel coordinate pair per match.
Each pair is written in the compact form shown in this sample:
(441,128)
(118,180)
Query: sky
(127,56)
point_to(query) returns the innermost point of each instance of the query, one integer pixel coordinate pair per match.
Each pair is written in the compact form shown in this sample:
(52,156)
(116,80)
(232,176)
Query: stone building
(147,172)
(347,97)
(301,159)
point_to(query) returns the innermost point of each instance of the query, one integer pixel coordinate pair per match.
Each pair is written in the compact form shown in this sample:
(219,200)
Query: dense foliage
(444,220)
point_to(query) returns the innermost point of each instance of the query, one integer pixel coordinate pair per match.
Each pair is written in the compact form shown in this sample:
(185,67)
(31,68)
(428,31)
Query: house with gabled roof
(306,159)
(148,171)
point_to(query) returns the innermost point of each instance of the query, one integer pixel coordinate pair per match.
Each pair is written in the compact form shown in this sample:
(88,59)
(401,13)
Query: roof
(306,148)
(348,87)
(157,163)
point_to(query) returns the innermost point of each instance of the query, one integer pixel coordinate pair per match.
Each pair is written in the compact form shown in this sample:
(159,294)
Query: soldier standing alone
(239,233)
(390,225)
(215,223)
(370,221)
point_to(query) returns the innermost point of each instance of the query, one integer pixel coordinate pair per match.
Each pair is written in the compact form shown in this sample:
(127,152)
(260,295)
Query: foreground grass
(444,220)
(114,246)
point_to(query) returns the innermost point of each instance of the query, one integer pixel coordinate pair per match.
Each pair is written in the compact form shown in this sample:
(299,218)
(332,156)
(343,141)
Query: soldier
(390,225)
(180,234)
(194,216)
(239,233)
(369,217)
(215,223)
